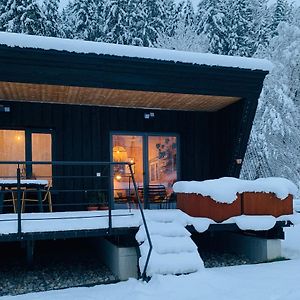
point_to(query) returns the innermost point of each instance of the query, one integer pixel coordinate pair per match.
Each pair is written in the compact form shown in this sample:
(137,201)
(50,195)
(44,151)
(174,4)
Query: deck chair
(46,197)
(11,198)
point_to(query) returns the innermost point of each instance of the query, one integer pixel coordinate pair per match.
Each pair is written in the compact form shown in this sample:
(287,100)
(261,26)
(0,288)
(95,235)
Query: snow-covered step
(163,229)
(163,245)
(174,252)
(172,263)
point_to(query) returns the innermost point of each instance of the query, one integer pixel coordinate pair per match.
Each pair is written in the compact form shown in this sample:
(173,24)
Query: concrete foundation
(255,248)
(122,261)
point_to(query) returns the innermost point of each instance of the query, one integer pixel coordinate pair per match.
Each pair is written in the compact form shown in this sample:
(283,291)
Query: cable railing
(72,185)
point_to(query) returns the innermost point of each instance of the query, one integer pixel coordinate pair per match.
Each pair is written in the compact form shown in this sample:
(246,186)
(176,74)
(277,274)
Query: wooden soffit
(111,97)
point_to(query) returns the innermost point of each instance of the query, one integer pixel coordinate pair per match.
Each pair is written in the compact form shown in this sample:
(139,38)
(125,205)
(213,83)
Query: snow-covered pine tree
(213,23)
(153,22)
(82,19)
(2,11)
(188,14)
(262,21)
(115,16)
(133,22)
(23,16)
(242,30)
(53,26)
(184,36)
(296,17)
(274,144)
(97,20)
(171,16)
(281,13)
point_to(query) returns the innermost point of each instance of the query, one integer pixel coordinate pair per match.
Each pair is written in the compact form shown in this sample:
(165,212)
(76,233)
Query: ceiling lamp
(119,154)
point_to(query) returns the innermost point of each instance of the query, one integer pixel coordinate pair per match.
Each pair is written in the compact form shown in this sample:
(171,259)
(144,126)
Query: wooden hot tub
(197,205)
(266,204)
(247,203)
(228,197)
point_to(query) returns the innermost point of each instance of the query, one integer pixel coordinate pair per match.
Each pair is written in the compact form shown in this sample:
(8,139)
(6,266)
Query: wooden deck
(63,225)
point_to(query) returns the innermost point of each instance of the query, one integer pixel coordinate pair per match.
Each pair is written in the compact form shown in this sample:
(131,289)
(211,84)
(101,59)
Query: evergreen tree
(23,16)
(153,22)
(188,14)
(171,16)
(83,19)
(134,23)
(262,22)
(242,30)
(116,21)
(2,11)
(296,17)
(52,18)
(213,23)
(282,13)
(184,38)
(274,144)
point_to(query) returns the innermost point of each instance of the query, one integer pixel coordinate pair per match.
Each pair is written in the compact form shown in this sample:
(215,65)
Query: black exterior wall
(82,133)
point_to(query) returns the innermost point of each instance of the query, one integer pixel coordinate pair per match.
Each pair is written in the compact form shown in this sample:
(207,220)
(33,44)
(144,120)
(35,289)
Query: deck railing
(71,181)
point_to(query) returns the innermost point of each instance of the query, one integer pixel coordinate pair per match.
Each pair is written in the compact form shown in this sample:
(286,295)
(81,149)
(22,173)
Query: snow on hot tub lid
(225,189)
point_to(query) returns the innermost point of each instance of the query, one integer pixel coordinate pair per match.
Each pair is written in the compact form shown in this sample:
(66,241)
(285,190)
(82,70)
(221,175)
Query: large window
(154,157)
(12,148)
(25,145)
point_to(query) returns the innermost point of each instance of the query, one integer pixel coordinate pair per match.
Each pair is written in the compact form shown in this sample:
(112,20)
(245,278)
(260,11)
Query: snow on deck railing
(225,189)
(80,46)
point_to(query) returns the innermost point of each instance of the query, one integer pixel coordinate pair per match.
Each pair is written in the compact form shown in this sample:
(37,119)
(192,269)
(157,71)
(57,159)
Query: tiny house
(175,115)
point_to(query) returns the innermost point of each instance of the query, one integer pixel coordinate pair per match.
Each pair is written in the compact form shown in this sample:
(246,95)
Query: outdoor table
(38,185)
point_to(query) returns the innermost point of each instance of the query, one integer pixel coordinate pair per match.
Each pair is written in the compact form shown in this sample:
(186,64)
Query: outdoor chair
(33,193)
(157,194)
(11,198)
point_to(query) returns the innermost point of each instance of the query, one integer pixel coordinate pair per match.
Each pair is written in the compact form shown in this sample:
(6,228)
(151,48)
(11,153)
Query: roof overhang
(111,97)
(58,75)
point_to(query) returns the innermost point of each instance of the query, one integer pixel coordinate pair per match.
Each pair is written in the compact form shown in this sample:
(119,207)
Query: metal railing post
(110,200)
(19,200)
(144,274)
(109,217)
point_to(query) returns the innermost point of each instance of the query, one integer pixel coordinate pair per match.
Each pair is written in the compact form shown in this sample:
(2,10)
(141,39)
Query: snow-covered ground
(270,281)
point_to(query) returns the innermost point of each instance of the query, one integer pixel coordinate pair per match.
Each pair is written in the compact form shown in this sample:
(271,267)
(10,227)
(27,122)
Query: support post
(19,201)
(29,252)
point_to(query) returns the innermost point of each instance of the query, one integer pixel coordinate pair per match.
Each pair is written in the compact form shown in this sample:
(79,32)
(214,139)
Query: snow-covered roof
(225,189)
(80,46)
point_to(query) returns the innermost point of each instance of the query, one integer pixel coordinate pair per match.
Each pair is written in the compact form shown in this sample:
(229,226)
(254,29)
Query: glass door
(127,148)
(162,161)
(155,164)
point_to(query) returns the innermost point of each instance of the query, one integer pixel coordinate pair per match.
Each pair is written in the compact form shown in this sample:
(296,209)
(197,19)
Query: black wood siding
(82,133)
(208,141)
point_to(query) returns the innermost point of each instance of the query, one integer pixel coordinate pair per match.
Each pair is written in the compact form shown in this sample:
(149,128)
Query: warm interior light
(118,177)
(119,154)
(18,138)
